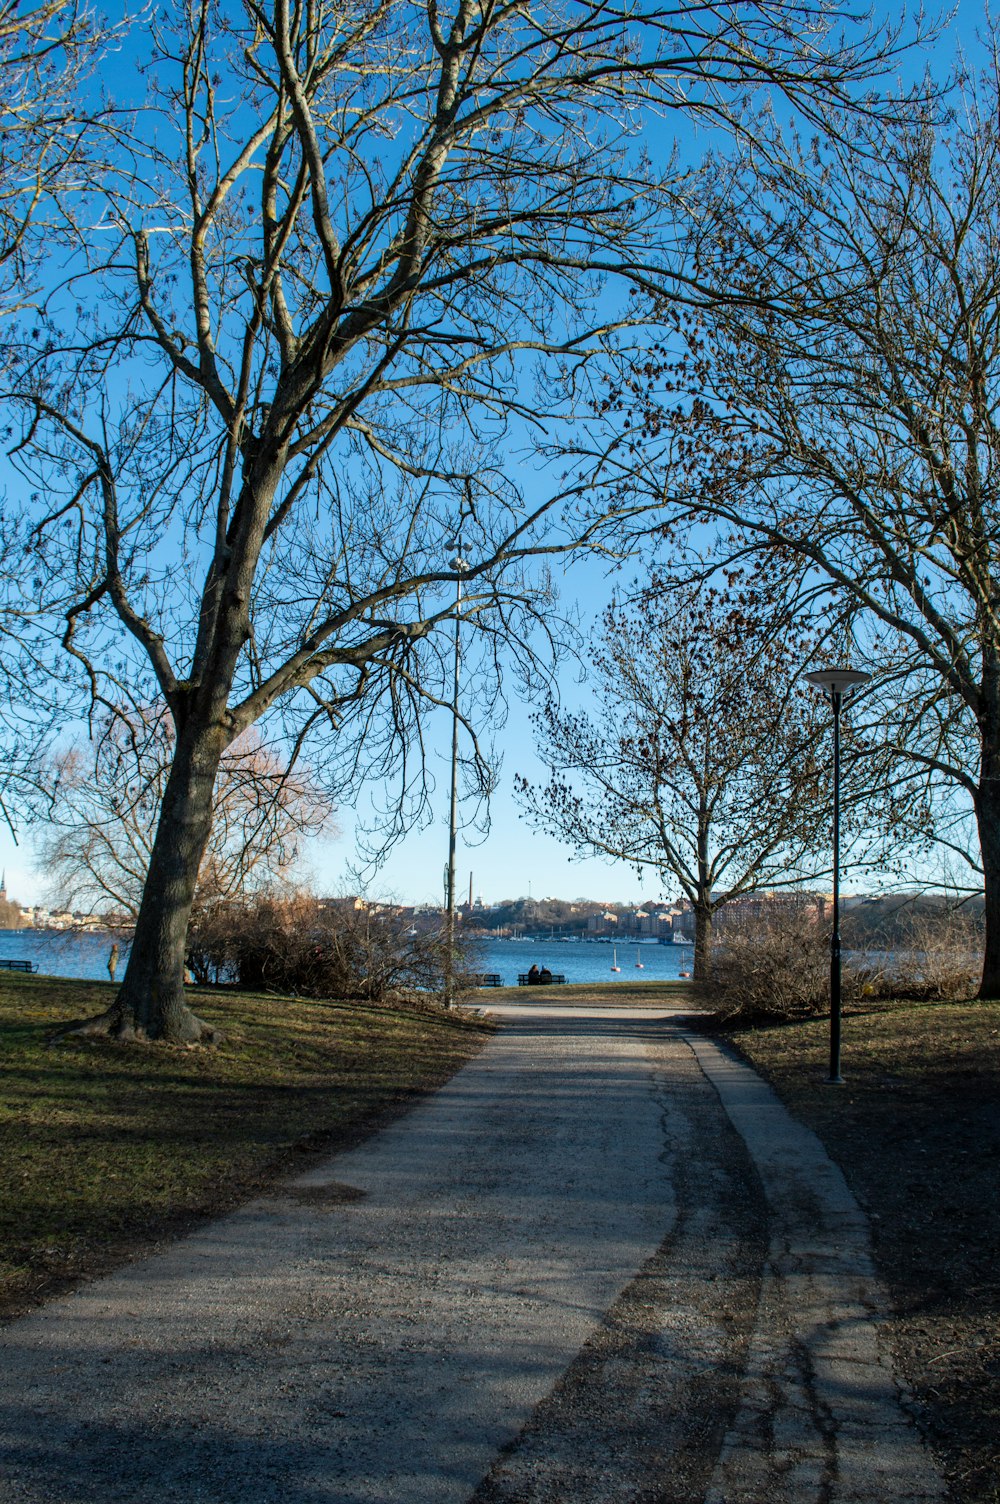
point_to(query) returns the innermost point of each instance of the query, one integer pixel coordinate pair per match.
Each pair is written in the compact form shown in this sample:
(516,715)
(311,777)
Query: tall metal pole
(459,565)
(835,683)
(835,1078)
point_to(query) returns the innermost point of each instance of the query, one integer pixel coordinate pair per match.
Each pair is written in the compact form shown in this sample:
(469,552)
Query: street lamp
(460,567)
(836,684)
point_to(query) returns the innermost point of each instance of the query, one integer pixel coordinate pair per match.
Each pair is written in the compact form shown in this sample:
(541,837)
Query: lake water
(60,954)
(585,960)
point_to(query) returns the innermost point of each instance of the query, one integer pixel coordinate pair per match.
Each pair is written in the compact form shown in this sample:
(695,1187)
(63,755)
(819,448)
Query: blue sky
(512,860)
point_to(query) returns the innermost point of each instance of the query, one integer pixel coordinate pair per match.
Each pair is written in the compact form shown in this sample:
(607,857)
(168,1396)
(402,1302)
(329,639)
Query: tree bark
(702,941)
(703,893)
(151,1003)
(988,819)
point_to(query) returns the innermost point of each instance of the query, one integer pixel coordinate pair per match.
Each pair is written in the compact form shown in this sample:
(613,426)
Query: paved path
(569,1275)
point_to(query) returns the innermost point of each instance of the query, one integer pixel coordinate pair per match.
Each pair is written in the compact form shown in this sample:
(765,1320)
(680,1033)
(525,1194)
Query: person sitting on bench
(534,975)
(545,975)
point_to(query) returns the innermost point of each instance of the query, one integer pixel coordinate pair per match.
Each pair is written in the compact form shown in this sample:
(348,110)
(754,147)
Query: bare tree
(106,798)
(351,254)
(704,762)
(53,123)
(47,130)
(847,422)
(11,917)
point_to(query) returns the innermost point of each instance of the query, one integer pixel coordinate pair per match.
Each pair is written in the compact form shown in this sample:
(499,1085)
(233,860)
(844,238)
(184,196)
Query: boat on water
(614,959)
(639,965)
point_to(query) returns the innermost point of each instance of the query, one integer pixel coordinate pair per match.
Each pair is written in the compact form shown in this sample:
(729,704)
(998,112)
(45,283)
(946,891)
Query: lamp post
(460,567)
(836,684)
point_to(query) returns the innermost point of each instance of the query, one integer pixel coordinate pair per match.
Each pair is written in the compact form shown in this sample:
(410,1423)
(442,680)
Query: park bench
(28,966)
(523,980)
(489,979)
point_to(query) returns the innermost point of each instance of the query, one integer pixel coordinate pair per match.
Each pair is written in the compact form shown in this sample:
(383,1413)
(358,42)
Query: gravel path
(569,1275)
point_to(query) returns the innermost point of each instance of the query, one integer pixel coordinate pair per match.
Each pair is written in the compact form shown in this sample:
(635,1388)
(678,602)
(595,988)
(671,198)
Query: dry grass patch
(599,995)
(108,1149)
(916,1131)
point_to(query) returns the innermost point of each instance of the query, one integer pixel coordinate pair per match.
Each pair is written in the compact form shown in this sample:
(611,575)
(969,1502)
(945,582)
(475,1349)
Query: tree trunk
(151,1003)
(702,941)
(988,819)
(703,891)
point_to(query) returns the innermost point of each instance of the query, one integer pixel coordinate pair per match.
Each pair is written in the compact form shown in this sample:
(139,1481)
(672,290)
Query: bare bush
(773,967)
(778,967)
(938,958)
(317,948)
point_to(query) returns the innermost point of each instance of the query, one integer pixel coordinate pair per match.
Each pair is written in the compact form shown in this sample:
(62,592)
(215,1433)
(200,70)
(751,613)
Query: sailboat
(614,959)
(638,964)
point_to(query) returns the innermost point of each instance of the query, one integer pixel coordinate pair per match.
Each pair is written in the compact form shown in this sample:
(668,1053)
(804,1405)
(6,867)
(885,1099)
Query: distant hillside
(533,915)
(884,922)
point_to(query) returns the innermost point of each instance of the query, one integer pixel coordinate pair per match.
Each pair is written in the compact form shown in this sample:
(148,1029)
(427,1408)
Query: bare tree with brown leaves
(106,798)
(846,424)
(703,759)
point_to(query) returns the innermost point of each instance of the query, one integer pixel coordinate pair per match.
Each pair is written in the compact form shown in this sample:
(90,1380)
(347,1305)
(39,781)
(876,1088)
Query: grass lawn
(916,1131)
(599,995)
(108,1148)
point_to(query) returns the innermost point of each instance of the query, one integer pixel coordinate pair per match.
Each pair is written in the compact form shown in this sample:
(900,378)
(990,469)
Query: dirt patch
(332,1194)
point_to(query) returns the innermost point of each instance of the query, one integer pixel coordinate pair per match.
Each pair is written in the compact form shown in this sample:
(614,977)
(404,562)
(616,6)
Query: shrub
(938,958)
(774,967)
(317,948)
(779,967)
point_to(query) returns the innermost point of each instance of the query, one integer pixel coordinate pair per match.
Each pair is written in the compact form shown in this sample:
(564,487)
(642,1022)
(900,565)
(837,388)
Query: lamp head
(838,681)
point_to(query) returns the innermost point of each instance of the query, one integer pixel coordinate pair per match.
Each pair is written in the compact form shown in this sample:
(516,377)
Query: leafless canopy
(704,759)
(343,247)
(355,268)
(845,421)
(47,120)
(106,796)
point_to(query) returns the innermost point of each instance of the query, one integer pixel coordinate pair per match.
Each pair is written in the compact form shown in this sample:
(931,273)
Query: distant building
(768,905)
(682,922)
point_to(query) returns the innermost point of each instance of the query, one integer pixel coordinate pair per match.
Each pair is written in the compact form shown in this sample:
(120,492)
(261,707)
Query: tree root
(117,1025)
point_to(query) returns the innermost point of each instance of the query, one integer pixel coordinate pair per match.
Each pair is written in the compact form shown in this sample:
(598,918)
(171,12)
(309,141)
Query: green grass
(599,994)
(916,1131)
(108,1148)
